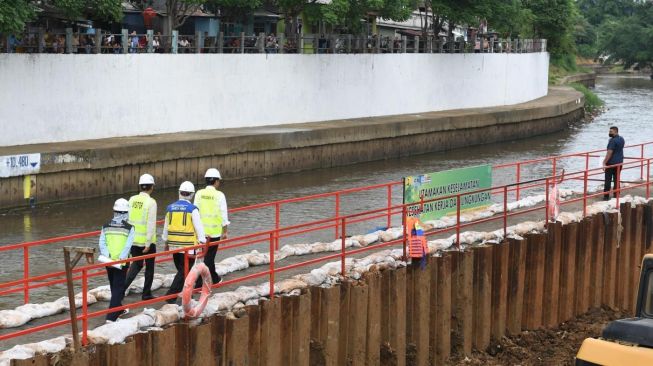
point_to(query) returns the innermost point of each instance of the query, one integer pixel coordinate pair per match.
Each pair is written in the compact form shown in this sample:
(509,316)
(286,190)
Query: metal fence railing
(125,42)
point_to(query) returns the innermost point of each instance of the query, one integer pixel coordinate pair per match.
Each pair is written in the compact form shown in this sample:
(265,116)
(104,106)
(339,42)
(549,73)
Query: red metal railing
(337,222)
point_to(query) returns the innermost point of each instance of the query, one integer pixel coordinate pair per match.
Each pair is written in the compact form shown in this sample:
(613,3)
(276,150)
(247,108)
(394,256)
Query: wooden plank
(552,278)
(566,307)
(598,253)
(583,267)
(237,336)
(301,329)
(286,330)
(330,320)
(254,345)
(482,298)
(464,306)
(442,341)
(218,329)
(648,219)
(500,260)
(534,282)
(169,174)
(38,360)
(610,260)
(623,259)
(637,221)
(181,346)
(516,279)
(356,348)
(397,305)
(122,354)
(271,331)
(373,337)
(343,338)
(163,343)
(200,346)
(144,346)
(421,304)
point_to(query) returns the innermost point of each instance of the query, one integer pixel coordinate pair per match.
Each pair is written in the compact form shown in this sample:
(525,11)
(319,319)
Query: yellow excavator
(627,342)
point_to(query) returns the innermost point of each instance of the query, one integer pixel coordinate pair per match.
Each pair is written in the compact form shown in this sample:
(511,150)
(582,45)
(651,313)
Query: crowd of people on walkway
(195,218)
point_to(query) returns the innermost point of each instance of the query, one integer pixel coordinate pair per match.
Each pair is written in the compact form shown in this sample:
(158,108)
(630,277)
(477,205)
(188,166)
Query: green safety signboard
(448,183)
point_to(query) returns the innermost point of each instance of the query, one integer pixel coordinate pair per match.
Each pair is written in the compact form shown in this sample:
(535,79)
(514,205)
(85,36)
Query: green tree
(14,14)
(630,39)
(349,14)
(103,10)
(234,10)
(554,21)
(597,11)
(179,11)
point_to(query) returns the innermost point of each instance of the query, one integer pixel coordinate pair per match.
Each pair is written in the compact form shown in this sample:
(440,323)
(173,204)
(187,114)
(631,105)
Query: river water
(630,106)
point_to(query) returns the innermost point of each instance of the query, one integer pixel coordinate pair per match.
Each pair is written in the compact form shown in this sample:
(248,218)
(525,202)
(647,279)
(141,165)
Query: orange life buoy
(199,269)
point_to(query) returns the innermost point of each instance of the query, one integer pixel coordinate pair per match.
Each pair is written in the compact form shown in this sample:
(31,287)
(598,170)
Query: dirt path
(543,347)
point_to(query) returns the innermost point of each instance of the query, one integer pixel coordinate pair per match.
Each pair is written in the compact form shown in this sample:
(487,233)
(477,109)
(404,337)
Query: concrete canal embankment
(458,302)
(92,168)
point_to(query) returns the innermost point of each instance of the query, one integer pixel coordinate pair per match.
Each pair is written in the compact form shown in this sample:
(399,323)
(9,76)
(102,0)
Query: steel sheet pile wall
(414,316)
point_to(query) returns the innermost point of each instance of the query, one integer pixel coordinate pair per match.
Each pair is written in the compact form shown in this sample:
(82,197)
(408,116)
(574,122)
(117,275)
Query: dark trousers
(178,282)
(117,285)
(209,260)
(136,266)
(610,177)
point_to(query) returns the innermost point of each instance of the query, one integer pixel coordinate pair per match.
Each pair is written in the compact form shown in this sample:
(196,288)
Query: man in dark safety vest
(182,229)
(213,210)
(142,215)
(116,240)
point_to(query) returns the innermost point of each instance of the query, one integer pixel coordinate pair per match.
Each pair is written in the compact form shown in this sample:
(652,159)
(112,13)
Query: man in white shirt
(213,209)
(182,229)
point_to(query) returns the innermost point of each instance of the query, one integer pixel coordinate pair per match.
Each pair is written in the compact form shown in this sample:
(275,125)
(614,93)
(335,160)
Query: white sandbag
(257,259)
(370,238)
(13,318)
(289,284)
(36,311)
(114,332)
(301,249)
(19,352)
(48,346)
(391,234)
(102,293)
(319,247)
(233,264)
(315,278)
(167,280)
(90,299)
(168,313)
(137,286)
(245,293)
(224,300)
(439,244)
(263,290)
(145,319)
(288,250)
(252,302)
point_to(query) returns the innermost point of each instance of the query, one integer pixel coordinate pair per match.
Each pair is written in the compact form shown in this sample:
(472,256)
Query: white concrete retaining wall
(53,98)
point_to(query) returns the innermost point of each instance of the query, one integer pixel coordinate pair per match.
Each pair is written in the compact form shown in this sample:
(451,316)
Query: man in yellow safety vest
(215,219)
(182,229)
(142,215)
(116,240)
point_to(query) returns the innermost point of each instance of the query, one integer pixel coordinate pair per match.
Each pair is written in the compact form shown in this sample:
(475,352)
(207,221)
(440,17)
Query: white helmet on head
(146,179)
(213,173)
(187,187)
(121,205)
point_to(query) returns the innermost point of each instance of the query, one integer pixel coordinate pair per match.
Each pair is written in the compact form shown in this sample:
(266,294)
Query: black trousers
(209,260)
(178,282)
(136,267)
(610,177)
(117,285)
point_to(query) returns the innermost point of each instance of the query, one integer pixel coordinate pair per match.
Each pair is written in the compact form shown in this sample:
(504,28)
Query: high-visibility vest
(115,236)
(181,231)
(207,202)
(417,246)
(139,212)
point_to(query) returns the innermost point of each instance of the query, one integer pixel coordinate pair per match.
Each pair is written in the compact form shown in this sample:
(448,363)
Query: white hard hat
(121,205)
(146,179)
(187,187)
(213,173)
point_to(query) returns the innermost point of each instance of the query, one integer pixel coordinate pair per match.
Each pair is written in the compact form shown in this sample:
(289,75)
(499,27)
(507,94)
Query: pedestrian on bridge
(182,229)
(142,215)
(116,239)
(614,156)
(212,204)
